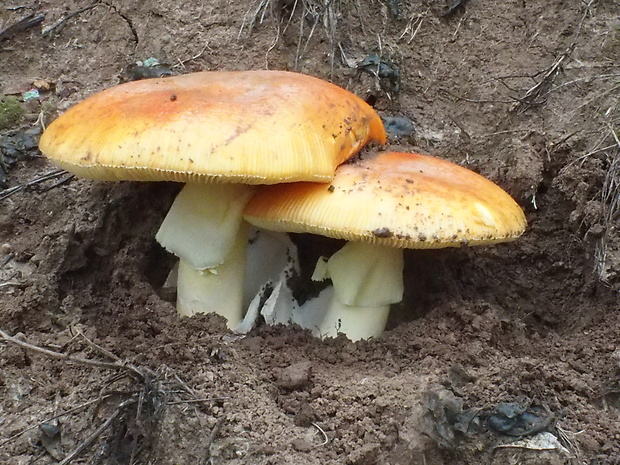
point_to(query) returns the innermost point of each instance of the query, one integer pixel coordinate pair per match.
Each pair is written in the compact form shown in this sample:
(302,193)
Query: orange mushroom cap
(397,199)
(253,127)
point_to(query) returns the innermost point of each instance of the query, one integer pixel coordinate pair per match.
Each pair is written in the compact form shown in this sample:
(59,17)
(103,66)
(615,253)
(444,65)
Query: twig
(262,8)
(59,183)
(46,177)
(90,439)
(541,89)
(419,19)
(299,53)
(185,387)
(600,95)
(214,432)
(69,358)
(458,97)
(587,79)
(104,351)
(47,31)
(65,413)
(25,23)
(194,401)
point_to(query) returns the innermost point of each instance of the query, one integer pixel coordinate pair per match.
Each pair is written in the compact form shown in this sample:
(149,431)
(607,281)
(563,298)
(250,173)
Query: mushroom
(382,205)
(218,132)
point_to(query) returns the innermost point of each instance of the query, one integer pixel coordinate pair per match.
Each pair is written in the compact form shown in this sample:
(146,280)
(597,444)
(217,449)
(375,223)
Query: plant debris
(398,125)
(383,69)
(450,424)
(18,145)
(50,438)
(147,69)
(537,319)
(451,6)
(137,397)
(25,23)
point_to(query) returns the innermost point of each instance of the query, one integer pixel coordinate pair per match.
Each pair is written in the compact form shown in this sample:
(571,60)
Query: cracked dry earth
(492,346)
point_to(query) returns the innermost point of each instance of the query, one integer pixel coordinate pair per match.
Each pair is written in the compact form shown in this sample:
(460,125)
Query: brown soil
(524,92)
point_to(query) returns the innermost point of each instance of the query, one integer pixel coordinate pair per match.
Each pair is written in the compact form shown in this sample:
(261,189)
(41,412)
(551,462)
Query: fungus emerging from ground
(382,205)
(217,132)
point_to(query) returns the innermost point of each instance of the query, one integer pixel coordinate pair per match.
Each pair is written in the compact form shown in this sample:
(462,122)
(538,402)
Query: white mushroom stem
(218,289)
(205,229)
(355,321)
(367,279)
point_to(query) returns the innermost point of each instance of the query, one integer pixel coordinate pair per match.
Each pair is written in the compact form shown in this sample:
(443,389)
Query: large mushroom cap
(254,127)
(397,199)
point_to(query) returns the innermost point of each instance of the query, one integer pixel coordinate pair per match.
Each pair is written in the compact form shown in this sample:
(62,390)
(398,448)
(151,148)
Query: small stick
(23,24)
(90,439)
(210,439)
(185,387)
(458,97)
(67,412)
(72,359)
(543,87)
(194,401)
(59,183)
(49,30)
(46,177)
(104,351)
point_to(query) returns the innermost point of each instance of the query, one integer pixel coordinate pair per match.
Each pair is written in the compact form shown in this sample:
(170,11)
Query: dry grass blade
(610,198)
(256,13)
(316,12)
(538,93)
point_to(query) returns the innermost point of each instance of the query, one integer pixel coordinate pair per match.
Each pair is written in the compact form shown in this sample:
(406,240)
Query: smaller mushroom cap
(396,199)
(252,127)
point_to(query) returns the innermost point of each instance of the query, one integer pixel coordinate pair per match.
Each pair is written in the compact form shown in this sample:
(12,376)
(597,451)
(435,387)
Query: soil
(491,346)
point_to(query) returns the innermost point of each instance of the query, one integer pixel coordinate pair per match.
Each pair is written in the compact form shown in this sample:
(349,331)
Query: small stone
(295,376)
(42,85)
(6,248)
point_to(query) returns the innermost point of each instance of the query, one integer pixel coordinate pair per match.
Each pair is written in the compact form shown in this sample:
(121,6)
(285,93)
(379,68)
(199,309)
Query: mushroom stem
(218,289)
(367,279)
(355,321)
(205,229)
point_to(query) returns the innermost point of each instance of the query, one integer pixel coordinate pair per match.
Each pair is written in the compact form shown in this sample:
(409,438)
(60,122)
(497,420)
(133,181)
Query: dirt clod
(296,376)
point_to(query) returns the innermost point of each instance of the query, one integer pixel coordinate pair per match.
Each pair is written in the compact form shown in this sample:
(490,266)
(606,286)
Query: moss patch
(11,111)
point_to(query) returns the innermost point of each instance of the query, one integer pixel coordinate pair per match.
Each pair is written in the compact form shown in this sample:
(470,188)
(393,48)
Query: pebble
(295,376)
